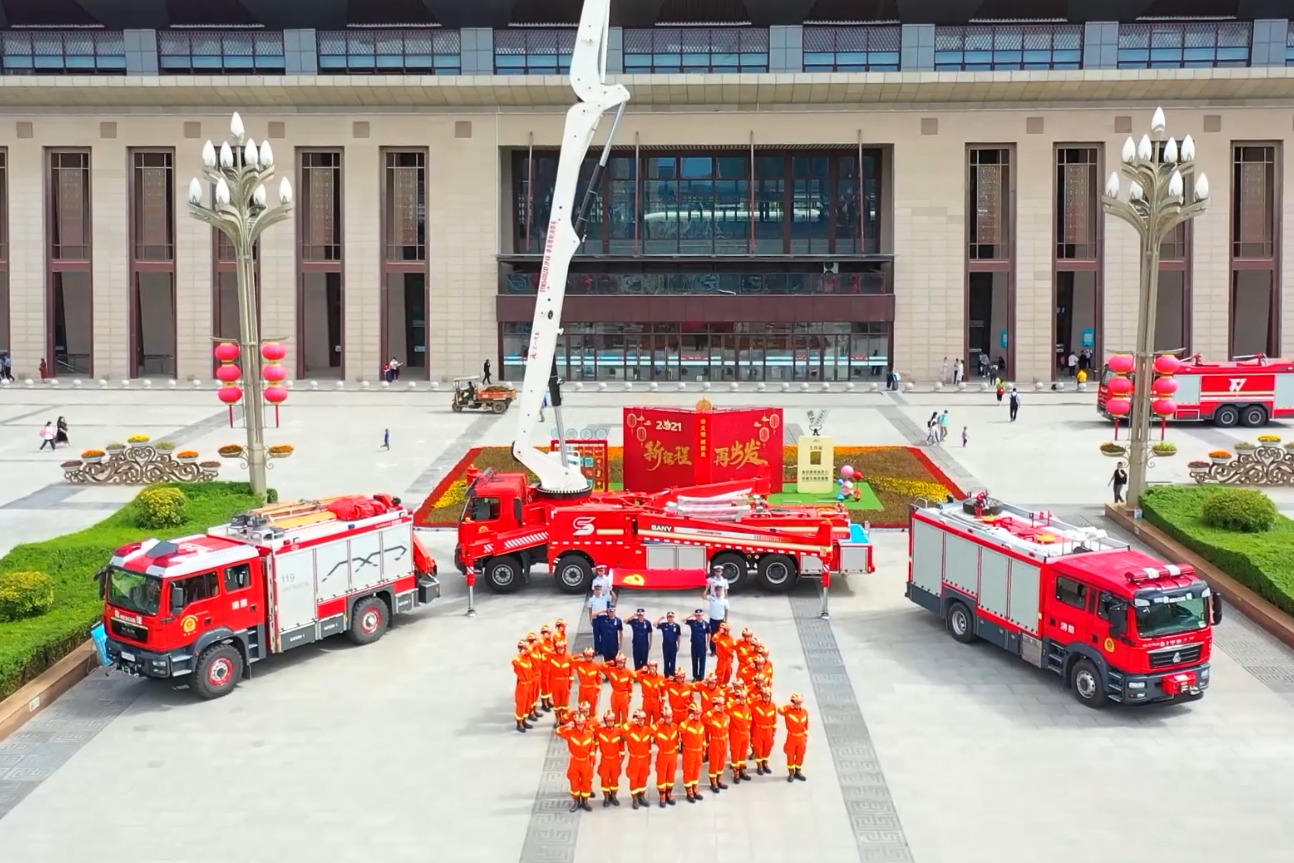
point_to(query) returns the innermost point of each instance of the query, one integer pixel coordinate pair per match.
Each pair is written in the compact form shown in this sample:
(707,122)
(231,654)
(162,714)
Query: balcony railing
(1008,47)
(533,51)
(875,281)
(429,51)
(62,52)
(664,50)
(221,52)
(852,49)
(1197,45)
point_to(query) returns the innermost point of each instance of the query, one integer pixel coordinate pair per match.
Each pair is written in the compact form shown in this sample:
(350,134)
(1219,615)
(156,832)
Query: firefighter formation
(713,722)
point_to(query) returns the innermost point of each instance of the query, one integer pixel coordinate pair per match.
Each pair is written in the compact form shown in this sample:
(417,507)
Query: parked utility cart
(202,609)
(1114,623)
(471,393)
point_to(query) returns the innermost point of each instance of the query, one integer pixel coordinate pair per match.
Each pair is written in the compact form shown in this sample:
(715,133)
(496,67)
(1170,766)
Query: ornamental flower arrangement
(165,446)
(187,456)
(1269,438)
(231,450)
(1113,450)
(115,446)
(1220,456)
(1164,448)
(1245,446)
(93,456)
(138,439)
(281,450)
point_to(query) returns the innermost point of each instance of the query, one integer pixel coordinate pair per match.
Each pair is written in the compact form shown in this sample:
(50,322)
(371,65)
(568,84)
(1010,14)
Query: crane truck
(508,524)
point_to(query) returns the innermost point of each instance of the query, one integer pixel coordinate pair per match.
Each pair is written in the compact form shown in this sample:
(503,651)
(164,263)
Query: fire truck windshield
(1174,613)
(131,591)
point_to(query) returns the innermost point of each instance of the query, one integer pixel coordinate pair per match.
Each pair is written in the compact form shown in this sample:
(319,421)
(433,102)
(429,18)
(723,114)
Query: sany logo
(1237,384)
(583,526)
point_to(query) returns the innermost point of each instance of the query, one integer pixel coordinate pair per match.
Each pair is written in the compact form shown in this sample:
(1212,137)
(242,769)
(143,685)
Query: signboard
(743,443)
(595,460)
(1089,338)
(815,465)
(1005,339)
(678,447)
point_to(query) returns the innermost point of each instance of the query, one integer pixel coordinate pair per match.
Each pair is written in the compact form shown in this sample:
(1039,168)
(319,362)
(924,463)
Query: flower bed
(897,476)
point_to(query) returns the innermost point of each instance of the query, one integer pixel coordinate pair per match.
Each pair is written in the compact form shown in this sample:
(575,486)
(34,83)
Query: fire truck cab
(1241,392)
(1113,623)
(202,609)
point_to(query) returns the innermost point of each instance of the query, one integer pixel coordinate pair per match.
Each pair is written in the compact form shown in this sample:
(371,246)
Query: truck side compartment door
(201,609)
(1067,617)
(242,601)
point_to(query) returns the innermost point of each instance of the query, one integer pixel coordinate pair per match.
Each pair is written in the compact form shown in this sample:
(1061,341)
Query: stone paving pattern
(921,750)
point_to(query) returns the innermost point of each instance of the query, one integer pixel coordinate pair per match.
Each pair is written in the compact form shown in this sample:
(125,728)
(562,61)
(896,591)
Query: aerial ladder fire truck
(662,541)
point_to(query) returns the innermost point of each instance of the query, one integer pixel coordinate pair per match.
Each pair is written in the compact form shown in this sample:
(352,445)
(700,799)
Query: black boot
(669,797)
(615,801)
(606,800)
(584,804)
(642,800)
(521,726)
(662,799)
(722,787)
(635,799)
(790,777)
(799,774)
(534,716)
(575,804)
(714,786)
(548,707)
(697,796)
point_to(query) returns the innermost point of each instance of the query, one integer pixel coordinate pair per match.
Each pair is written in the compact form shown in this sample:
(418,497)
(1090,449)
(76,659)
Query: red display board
(676,447)
(595,460)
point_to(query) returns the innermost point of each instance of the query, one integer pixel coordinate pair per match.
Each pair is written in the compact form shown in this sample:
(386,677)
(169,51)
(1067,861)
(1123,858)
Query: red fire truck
(662,541)
(1115,624)
(1241,392)
(201,609)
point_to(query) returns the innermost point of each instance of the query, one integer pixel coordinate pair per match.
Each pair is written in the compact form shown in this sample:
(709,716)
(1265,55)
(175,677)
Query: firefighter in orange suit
(639,738)
(611,749)
(622,687)
(751,670)
(693,732)
(739,724)
(652,685)
(666,757)
(710,692)
(559,633)
(797,736)
(724,650)
(532,643)
(679,693)
(717,725)
(746,647)
(763,730)
(767,668)
(559,679)
(588,674)
(523,666)
(547,647)
(582,743)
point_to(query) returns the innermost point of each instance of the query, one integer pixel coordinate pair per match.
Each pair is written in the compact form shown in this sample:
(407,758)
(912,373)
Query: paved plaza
(921,749)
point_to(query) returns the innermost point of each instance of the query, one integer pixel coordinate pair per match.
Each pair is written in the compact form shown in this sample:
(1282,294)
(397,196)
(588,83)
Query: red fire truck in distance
(1241,392)
(1115,624)
(662,541)
(201,609)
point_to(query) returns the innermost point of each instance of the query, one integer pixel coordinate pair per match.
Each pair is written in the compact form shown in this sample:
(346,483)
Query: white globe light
(285,191)
(222,191)
(1158,122)
(1176,185)
(267,154)
(251,156)
(236,127)
(208,155)
(195,191)
(1202,187)
(226,156)
(1134,191)
(1188,149)
(1145,150)
(1112,185)
(1129,150)
(1170,152)
(259,196)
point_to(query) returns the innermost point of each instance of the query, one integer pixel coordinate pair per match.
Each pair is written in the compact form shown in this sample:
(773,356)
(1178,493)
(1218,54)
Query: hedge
(1263,562)
(28,647)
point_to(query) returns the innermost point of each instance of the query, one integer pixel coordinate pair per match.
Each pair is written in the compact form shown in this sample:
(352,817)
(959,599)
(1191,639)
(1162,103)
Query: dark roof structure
(338,14)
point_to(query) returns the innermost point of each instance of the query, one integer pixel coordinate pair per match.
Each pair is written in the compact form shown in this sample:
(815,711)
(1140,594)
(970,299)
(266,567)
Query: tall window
(1173,310)
(1255,249)
(152,263)
(320,301)
(70,310)
(1077,254)
(404,258)
(5,314)
(990,265)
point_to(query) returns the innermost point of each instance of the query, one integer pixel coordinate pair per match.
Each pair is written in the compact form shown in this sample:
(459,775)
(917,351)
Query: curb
(32,698)
(1274,622)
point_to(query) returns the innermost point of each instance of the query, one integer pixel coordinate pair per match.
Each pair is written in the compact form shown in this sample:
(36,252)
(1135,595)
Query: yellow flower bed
(138,438)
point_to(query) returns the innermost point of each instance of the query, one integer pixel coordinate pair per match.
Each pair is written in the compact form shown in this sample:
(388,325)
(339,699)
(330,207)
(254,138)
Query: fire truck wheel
(1253,416)
(1088,688)
(777,572)
(503,574)
(368,620)
(961,623)
(735,568)
(219,668)
(574,574)
(1226,416)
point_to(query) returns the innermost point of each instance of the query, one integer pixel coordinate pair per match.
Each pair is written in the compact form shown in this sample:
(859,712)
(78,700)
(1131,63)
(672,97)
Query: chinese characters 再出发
(739,454)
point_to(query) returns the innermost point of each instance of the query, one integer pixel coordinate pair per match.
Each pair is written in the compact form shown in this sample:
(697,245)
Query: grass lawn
(29,646)
(791,496)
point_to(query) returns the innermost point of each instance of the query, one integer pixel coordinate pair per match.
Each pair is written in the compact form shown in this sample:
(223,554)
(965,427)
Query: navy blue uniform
(642,640)
(700,630)
(612,627)
(670,633)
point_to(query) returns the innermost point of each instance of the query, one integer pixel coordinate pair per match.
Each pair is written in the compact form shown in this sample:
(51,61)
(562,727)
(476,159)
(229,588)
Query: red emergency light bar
(1153,573)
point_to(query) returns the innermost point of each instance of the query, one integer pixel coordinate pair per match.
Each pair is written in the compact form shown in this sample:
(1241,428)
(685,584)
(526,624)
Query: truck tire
(960,622)
(573,574)
(735,568)
(777,572)
(499,407)
(218,670)
(1253,416)
(503,574)
(458,562)
(1226,416)
(368,620)
(1088,687)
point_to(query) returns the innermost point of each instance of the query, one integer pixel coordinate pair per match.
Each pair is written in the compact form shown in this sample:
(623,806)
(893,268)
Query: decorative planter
(186,459)
(1115,454)
(136,444)
(231,452)
(114,450)
(1219,459)
(1165,453)
(93,459)
(272,454)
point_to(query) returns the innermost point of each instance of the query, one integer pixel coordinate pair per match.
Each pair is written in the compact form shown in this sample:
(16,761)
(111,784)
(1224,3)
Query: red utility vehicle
(1115,624)
(202,609)
(1240,392)
(661,541)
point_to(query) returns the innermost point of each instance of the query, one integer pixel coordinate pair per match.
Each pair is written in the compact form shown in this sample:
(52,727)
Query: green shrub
(29,646)
(271,495)
(161,506)
(1242,509)
(1260,561)
(25,594)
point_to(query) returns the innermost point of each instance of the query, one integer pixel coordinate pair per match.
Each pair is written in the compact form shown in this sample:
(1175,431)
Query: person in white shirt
(717,611)
(602,579)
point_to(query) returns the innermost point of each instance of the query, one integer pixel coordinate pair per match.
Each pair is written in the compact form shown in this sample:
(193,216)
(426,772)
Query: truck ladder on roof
(293,514)
(1065,538)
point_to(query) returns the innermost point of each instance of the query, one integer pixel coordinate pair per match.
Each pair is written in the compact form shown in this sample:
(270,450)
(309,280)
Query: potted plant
(1113,450)
(1245,446)
(1197,465)
(187,456)
(282,450)
(1269,439)
(73,464)
(231,450)
(115,447)
(1290,446)
(165,446)
(93,456)
(1219,456)
(1164,448)
(137,440)
(210,465)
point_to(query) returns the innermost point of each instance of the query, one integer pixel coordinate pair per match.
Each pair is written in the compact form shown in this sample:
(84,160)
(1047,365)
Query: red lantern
(228,373)
(276,395)
(1164,407)
(227,352)
(274,373)
(1122,364)
(1118,407)
(1119,386)
(1164,387)
(230,395)
(273,351)
(1167,364)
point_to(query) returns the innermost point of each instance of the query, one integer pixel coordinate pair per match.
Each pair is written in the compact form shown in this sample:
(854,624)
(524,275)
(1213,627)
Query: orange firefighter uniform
(652,684)
(693,733)
(588,675)
(611,749)
(679,693)
(666,757)
(559,634)
(559,679)
(547,647)
(797,736)
(717,725)
(746,647)
(724,651)
(622,688)
(710,692)
(763,730)
(751,670)
(740,719)
(532,642)
(523,666)
(639,738)
(767,669)
(582,742)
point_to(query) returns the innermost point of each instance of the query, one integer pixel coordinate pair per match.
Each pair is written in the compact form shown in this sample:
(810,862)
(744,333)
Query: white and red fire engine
(1240,392)
(204,608)
(1113,623)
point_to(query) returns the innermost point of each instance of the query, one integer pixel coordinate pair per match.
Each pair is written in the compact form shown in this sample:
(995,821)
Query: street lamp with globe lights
(1157,199)
(237,174)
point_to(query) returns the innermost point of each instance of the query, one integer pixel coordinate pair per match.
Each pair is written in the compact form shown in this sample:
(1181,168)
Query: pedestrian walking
(943,371)
(1001,391)
(959,371)
(386,439)
(699,632)
(47,433)
(1119,481)
(485,373)
(6,367)
(670,633)
(932,429)
(1015,403)
(60,432)
(394,370)
(943,425)
(1072,362)
(965,436)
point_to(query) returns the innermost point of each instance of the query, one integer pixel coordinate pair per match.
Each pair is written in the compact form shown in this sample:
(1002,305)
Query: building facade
(787,200)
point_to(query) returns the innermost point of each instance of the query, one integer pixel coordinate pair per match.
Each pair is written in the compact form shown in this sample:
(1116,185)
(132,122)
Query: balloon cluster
(846,488)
